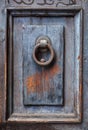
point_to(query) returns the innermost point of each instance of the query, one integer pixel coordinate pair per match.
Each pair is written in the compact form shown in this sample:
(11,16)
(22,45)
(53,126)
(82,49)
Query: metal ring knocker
(43,44)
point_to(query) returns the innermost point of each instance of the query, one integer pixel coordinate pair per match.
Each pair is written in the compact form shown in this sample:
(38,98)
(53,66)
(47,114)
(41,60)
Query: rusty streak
(78,57)
(41,80)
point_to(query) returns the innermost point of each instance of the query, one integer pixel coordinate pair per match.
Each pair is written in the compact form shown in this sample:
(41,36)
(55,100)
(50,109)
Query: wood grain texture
(15,126)
(43,85)
(84,124)
(71,111)
(2,62)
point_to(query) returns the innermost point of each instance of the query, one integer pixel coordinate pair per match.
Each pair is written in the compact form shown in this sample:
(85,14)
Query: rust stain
(40,82)
(78,57)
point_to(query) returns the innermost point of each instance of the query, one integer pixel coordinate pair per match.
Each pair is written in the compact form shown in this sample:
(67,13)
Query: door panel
(44,94)
(33,99)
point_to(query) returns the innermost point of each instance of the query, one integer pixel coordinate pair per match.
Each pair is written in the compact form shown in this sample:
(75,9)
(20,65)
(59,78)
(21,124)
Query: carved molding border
(58,116)
(43,2)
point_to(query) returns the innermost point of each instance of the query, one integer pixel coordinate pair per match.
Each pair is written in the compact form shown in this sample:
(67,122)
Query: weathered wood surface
(43,85)
(19,24)
(17,20)
(21,126)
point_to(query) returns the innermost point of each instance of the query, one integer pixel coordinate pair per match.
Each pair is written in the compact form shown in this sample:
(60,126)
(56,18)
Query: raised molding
(76,115)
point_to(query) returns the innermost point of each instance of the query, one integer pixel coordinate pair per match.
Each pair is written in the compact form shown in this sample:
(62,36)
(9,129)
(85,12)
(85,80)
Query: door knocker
(43,53)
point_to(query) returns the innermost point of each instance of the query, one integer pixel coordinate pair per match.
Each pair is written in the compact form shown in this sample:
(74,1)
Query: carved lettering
(43,2)
(28,2)
(69,2)
(46,2)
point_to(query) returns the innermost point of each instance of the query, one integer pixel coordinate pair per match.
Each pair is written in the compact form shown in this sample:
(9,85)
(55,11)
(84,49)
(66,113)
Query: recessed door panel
(43,65)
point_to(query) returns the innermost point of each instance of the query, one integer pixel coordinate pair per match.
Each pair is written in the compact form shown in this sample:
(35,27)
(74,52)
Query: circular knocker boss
(43,53)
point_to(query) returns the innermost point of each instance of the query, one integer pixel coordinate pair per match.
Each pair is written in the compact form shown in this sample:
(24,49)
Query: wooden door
(43,65)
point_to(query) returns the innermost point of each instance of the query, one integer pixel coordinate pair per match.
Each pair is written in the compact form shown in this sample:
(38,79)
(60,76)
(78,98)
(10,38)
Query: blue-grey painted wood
(70,17)
(20,23)
(43,85)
